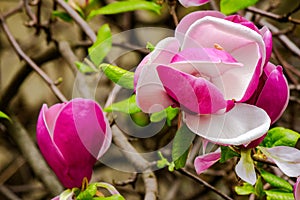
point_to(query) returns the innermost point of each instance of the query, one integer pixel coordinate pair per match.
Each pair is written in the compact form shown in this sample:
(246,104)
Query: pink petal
(207,62)
(267,37)
(245,167)
(139,69)
(148,84)
(189,3)
(49,150)
(205,161)
(286,158)
(297,189)
(240,40)
(242,124)
(50,115)
(196,94)
(275,90)
(243,21)
(189,19)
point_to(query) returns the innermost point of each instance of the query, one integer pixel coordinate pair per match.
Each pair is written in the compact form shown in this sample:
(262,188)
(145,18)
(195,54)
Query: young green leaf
(245,189)
(125,6)
(162,162)
(88,193)
(276,181)
(84,68)
(150,46)
(102,46)
(118,75)
(280,136)
(181,144)
(3,115)
(126,106)
(259,188)
(65,195)
(227,153)
(232,6)
(279,195)
(170,113)
(62,15)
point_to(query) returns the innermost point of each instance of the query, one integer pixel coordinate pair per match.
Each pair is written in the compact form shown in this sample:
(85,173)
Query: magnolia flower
(189,3)
(211,69)
(71,137)
(205,161)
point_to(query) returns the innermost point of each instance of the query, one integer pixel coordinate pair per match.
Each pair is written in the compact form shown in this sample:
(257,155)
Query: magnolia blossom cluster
(71,137)
(216,69)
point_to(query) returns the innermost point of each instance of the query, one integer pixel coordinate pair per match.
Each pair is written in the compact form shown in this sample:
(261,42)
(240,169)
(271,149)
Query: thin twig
(279,18)
(18,8)
(13,86)
(149,178)
(85,27)
(31,15)
(32,64)
(172,8)
(204,183)
(8,193)
(33,156)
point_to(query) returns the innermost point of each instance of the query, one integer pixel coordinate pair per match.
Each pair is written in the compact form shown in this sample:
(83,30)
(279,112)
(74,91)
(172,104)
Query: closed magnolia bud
(71,137)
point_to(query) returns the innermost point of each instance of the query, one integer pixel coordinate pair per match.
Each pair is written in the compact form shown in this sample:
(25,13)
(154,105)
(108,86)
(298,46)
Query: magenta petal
(241,20)
(48,149)
(189,19)
(205,161)
(196,94)
(275,90)
(297,189)
(267,37)
(188,3)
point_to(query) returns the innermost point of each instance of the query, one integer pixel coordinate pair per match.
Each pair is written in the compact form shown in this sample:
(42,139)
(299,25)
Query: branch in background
(33,156)
(14,10)
(204,183)
(32,64)
(172,9)
(279,18)
(76,17)
(149,178)
(31,15)
(12,89)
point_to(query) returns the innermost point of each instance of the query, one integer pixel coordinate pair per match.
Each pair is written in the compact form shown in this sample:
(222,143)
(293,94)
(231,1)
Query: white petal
(286,158)
(243,43)
(240,125)
(245,167)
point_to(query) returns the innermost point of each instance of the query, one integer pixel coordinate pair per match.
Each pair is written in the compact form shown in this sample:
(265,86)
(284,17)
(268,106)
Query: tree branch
(31,63)
(85,27)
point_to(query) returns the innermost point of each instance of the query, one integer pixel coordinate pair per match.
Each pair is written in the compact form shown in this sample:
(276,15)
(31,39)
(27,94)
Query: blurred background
(55,44)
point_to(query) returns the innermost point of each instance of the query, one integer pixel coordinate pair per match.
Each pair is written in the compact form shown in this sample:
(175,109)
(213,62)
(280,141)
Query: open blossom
(71,137)
(211,69)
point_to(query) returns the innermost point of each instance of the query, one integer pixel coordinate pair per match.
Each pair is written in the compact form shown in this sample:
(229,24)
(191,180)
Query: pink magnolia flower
(297,189)
(71,137)
(211,68)
(205,161)
(189,3)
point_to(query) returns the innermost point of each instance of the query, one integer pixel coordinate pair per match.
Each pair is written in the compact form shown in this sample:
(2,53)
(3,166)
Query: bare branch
(85,27)
(32,64)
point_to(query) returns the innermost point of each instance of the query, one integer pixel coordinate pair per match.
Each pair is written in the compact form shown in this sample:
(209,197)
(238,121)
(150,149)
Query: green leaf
(162,162)
(88,193)
(227,153)
(259,188)
(62,15)
(232,6)
(170,113)
(126,106)
(101,46)
(113,197)
(276,181)
(84,68)
(125,6)
(150,46)
(280,136)
(279,195)
(245,189)
(118,75)
(3,115)
(181,144)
